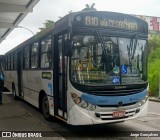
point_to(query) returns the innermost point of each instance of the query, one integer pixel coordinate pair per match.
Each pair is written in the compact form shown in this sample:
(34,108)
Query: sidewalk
(15,118)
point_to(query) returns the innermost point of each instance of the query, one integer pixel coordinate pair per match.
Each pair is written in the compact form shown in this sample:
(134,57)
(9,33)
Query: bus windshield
(109,60)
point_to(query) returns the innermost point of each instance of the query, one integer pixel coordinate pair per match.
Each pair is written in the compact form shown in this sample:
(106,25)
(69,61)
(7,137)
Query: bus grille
(109,115)
(116,105)
(116,92)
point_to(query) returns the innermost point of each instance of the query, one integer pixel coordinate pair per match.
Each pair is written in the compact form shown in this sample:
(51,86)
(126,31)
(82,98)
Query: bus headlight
(80,102)
(143,101)
(84,104)
(92,107)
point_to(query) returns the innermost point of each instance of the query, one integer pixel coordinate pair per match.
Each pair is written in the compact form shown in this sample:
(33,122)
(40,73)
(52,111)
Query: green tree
(154,42)
(47,24)
(89,7)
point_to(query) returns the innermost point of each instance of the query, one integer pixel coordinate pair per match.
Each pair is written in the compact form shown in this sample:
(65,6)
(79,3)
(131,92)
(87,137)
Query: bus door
(19,73)
(60,76)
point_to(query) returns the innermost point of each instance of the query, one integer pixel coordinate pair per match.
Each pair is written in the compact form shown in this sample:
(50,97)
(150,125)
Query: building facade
(153,23)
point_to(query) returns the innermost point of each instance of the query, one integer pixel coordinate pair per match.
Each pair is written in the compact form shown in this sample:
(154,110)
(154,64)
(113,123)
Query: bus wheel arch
(44,105)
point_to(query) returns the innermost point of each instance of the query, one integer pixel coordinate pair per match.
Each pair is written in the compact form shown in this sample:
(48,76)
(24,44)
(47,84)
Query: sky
(53,9)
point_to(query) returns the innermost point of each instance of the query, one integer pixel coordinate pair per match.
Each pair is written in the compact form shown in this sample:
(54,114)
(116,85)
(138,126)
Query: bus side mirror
(68,48)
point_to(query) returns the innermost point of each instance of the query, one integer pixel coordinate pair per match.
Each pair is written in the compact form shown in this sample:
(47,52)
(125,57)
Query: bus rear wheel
(45,108)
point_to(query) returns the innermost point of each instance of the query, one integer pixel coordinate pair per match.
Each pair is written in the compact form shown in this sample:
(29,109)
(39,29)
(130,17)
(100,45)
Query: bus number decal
(102,101)
(91,21)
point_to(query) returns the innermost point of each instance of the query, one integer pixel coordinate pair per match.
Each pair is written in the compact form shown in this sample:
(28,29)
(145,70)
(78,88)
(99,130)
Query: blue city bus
(89,68)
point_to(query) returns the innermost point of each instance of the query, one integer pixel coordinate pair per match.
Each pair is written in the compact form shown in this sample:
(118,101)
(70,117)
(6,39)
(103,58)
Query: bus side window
(26,57)
(46,52)
(34,55)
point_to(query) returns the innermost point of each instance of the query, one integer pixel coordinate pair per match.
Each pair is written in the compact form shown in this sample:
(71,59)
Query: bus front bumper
(81,116)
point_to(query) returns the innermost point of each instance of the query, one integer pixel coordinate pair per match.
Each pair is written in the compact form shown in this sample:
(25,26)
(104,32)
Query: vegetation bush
(154,42)
(154,65)
(153,76)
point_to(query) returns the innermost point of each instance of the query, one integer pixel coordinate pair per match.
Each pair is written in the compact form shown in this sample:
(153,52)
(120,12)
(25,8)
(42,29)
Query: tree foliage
(47,24)
(154,64)
(154,42)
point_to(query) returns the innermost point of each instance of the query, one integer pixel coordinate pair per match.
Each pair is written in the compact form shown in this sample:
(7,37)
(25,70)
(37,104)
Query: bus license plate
(119,114)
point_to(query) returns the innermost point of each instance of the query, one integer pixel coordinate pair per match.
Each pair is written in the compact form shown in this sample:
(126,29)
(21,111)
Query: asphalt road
(148,124)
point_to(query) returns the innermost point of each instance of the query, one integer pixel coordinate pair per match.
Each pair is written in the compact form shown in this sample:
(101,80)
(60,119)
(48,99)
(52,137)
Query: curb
(154,99)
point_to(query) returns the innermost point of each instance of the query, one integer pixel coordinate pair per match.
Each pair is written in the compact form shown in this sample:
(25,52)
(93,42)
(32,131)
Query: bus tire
(45,108)
(14,92)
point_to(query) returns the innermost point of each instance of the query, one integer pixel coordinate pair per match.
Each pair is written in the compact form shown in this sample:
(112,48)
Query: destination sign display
(109,20)
(95,21)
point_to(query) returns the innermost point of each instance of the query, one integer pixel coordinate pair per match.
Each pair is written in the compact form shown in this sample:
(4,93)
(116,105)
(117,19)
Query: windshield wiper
(134,47)
(102,44)
(131,51)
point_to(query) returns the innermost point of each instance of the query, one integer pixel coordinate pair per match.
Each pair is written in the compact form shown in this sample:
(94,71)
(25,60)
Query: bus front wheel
(45,108)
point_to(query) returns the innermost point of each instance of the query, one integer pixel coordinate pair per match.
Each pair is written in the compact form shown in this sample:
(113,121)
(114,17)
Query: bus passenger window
(34,56)
(46,53)
(15,61)
(11,61)
(26,57)
(8,62)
